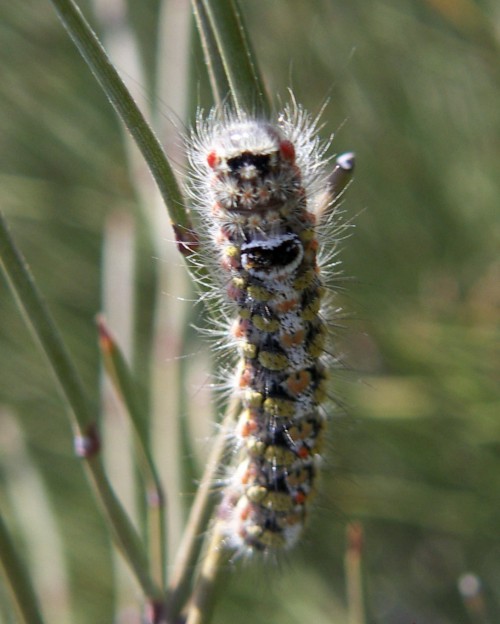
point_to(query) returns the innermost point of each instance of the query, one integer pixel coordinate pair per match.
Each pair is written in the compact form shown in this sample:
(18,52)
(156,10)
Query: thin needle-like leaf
(38,317)
(247,87)
(87,441)
(18,579)
(216,72)
(94,55)
(119,372)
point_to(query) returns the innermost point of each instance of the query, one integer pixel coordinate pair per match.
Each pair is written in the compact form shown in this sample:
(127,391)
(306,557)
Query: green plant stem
(18,579)
(94,55)
(216,72)
(39,319)
(123,531)
(120,374)
(247,86)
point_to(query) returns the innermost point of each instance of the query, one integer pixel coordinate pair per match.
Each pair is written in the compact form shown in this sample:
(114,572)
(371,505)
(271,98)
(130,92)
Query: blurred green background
(413,87)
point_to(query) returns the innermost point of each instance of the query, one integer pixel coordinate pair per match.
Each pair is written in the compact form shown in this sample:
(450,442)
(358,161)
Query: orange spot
(248,428)
(287,151)
(105,340)
(212,159)
(107,345)
(286,306)
(239,328)
(245,512)
(298,382)
(303,453)
(300,498)
(233,292)
(245,378)
(290,340)
(313,245)
(245,477)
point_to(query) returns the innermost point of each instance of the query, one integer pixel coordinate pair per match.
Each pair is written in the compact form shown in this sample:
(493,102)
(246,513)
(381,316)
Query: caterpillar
(259,187)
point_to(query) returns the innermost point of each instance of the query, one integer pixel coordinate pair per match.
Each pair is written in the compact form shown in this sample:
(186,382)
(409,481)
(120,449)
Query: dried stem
(202,601)
(199,515)
(353,573)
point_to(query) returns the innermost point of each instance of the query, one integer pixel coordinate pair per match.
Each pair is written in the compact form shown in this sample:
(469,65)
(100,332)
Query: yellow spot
(278,501)
(256,447)
(264,324)
(270,539)
(249,350)
(253,399)
(239,282)
(273,361)
(310,312)
(232,251)
(244,313)
(307,235)
(317,346)
(258,293)
(304,280)
(256,493)
(320,395)
(279,408)
(280,456)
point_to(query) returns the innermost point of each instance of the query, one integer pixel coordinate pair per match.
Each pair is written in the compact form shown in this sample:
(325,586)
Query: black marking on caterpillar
(260,189)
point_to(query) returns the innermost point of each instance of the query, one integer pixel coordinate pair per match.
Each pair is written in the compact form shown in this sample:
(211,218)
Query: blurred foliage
(413,87)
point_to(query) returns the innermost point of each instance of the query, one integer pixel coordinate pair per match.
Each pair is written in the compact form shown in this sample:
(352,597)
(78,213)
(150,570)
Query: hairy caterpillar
(260,190)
